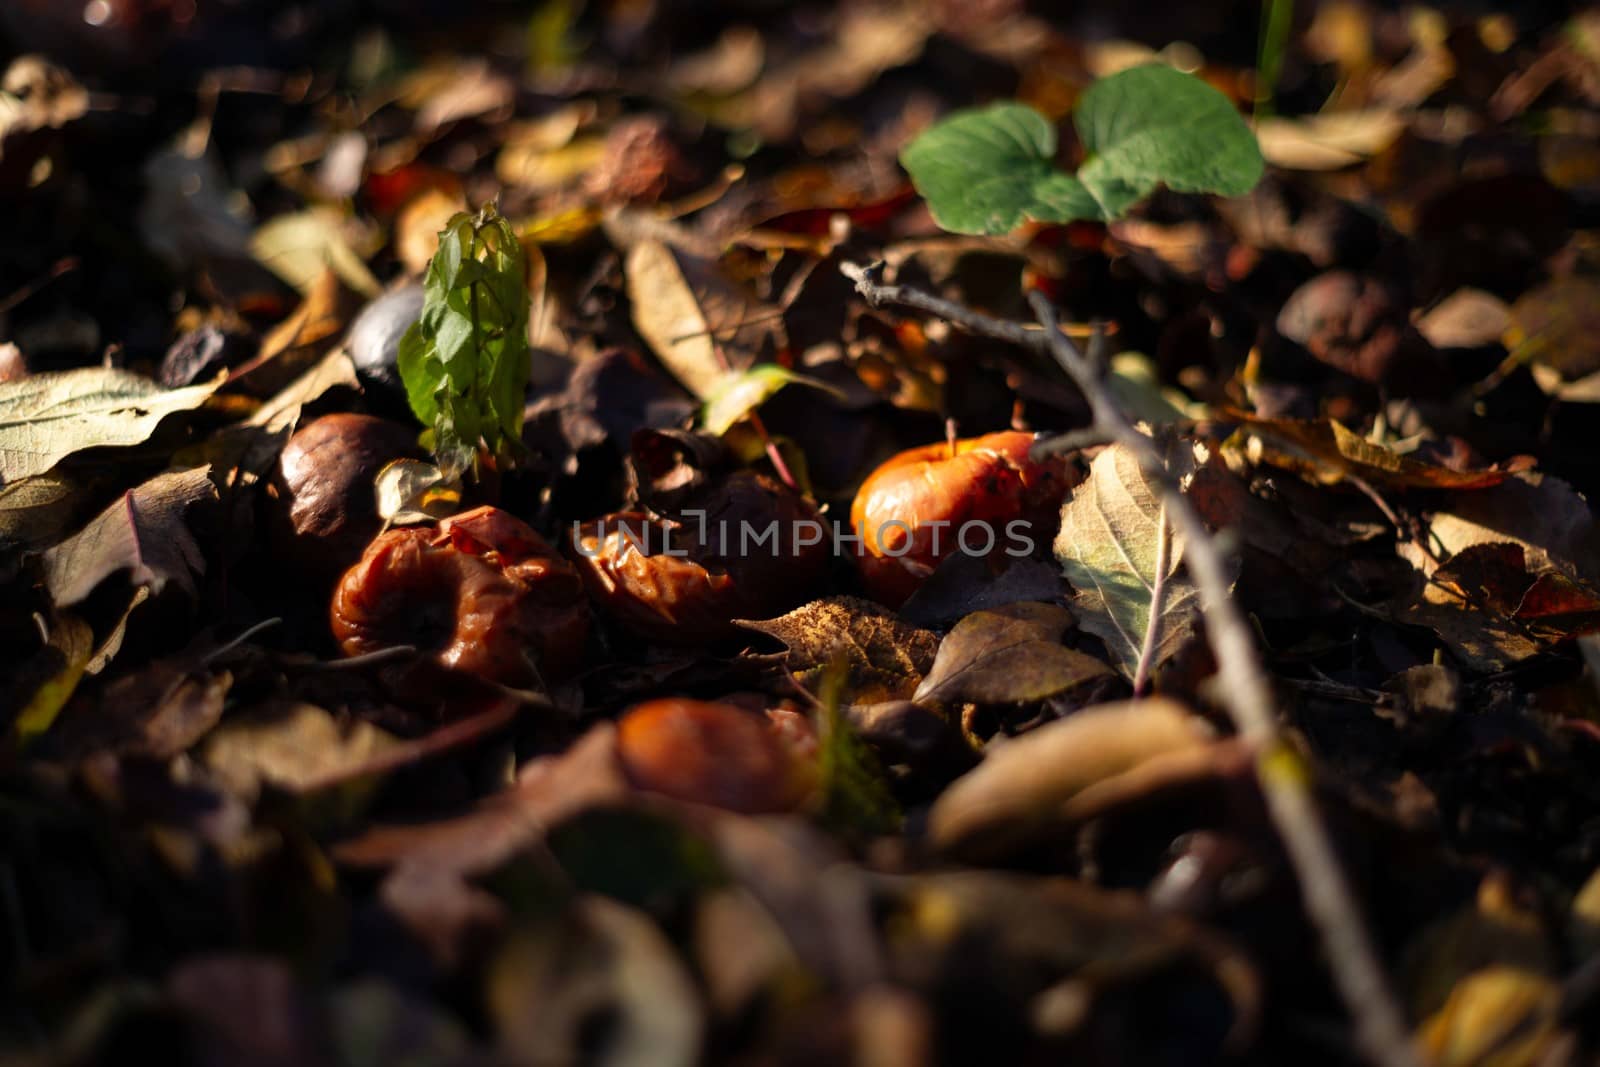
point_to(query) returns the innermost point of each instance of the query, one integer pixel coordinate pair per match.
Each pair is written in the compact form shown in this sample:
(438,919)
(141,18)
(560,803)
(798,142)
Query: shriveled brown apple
(484,594)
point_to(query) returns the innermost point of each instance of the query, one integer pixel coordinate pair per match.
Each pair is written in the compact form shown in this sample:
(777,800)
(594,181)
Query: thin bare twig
(1284,778)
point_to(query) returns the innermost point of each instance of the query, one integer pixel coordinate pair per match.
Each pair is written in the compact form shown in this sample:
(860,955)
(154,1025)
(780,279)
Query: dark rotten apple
(483,594)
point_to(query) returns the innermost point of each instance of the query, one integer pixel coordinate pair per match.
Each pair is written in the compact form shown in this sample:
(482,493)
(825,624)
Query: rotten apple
(715,754)
(982,496)
(684,580)
(484,594)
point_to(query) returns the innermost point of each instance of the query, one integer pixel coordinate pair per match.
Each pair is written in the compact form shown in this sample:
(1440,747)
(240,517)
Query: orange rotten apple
(982,495)
(483,594)
(715,754)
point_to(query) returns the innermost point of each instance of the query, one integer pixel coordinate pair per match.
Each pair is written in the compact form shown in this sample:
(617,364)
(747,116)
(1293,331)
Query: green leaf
(1111,549)
(741,392)
(1154,125)
(465,362)
(988,170)
(852,796)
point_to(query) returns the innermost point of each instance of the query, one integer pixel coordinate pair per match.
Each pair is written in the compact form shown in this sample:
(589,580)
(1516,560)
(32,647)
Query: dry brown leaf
(1557,327)
(1330,140)
(298,748)
(1008,655)
(143,532)
(1467,318)
(885,659)
(1034,778)
(1327,452)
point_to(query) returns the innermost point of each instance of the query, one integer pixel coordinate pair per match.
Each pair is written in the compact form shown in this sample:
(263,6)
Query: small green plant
(465,361)
(987,170)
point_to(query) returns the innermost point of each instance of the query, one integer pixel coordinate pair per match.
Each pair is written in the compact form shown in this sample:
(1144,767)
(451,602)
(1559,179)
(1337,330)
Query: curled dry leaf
(1328,141)
(1008,655)
(884,658)
(1117,547)
(410,491)
(684,310)
(44,418)
(1052,772)
(143,532)
(1498,1015)
(299,247)
(1325,451)
(1557,326)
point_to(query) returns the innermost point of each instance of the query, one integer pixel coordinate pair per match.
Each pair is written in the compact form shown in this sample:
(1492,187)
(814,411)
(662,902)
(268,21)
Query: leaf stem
(1283,776)
(1158,596)
(773,452)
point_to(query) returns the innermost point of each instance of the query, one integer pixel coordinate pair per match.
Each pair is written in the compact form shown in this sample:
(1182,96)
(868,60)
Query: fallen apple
(982,496)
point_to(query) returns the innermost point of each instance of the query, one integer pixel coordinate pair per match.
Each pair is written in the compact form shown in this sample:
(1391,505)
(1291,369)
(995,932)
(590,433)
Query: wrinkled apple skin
(693,593)
(484,594)
(987,479)
(713,754)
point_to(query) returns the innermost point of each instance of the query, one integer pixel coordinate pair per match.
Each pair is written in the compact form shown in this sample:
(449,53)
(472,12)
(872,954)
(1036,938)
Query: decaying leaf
(1036,933)
(1329,140)
(548,790)
(1047,773)
(1115,545)
(1008,655)
(1550,520)
(687,313)
(1325,451)
(299,247)
(299,748)
(1557,326)
(144,532)
(36,511)
(884,658)
(44,418)
(964,583)
(1498,1016)
(1467,318)
(668,315)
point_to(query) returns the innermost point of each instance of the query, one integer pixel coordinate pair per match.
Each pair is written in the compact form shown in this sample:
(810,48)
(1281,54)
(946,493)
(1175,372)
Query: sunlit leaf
(741,392)
(1116,545)
(989,170)
(45,418)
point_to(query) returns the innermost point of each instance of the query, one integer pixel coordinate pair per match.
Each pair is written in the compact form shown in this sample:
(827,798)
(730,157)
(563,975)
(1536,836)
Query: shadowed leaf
(1008,655)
